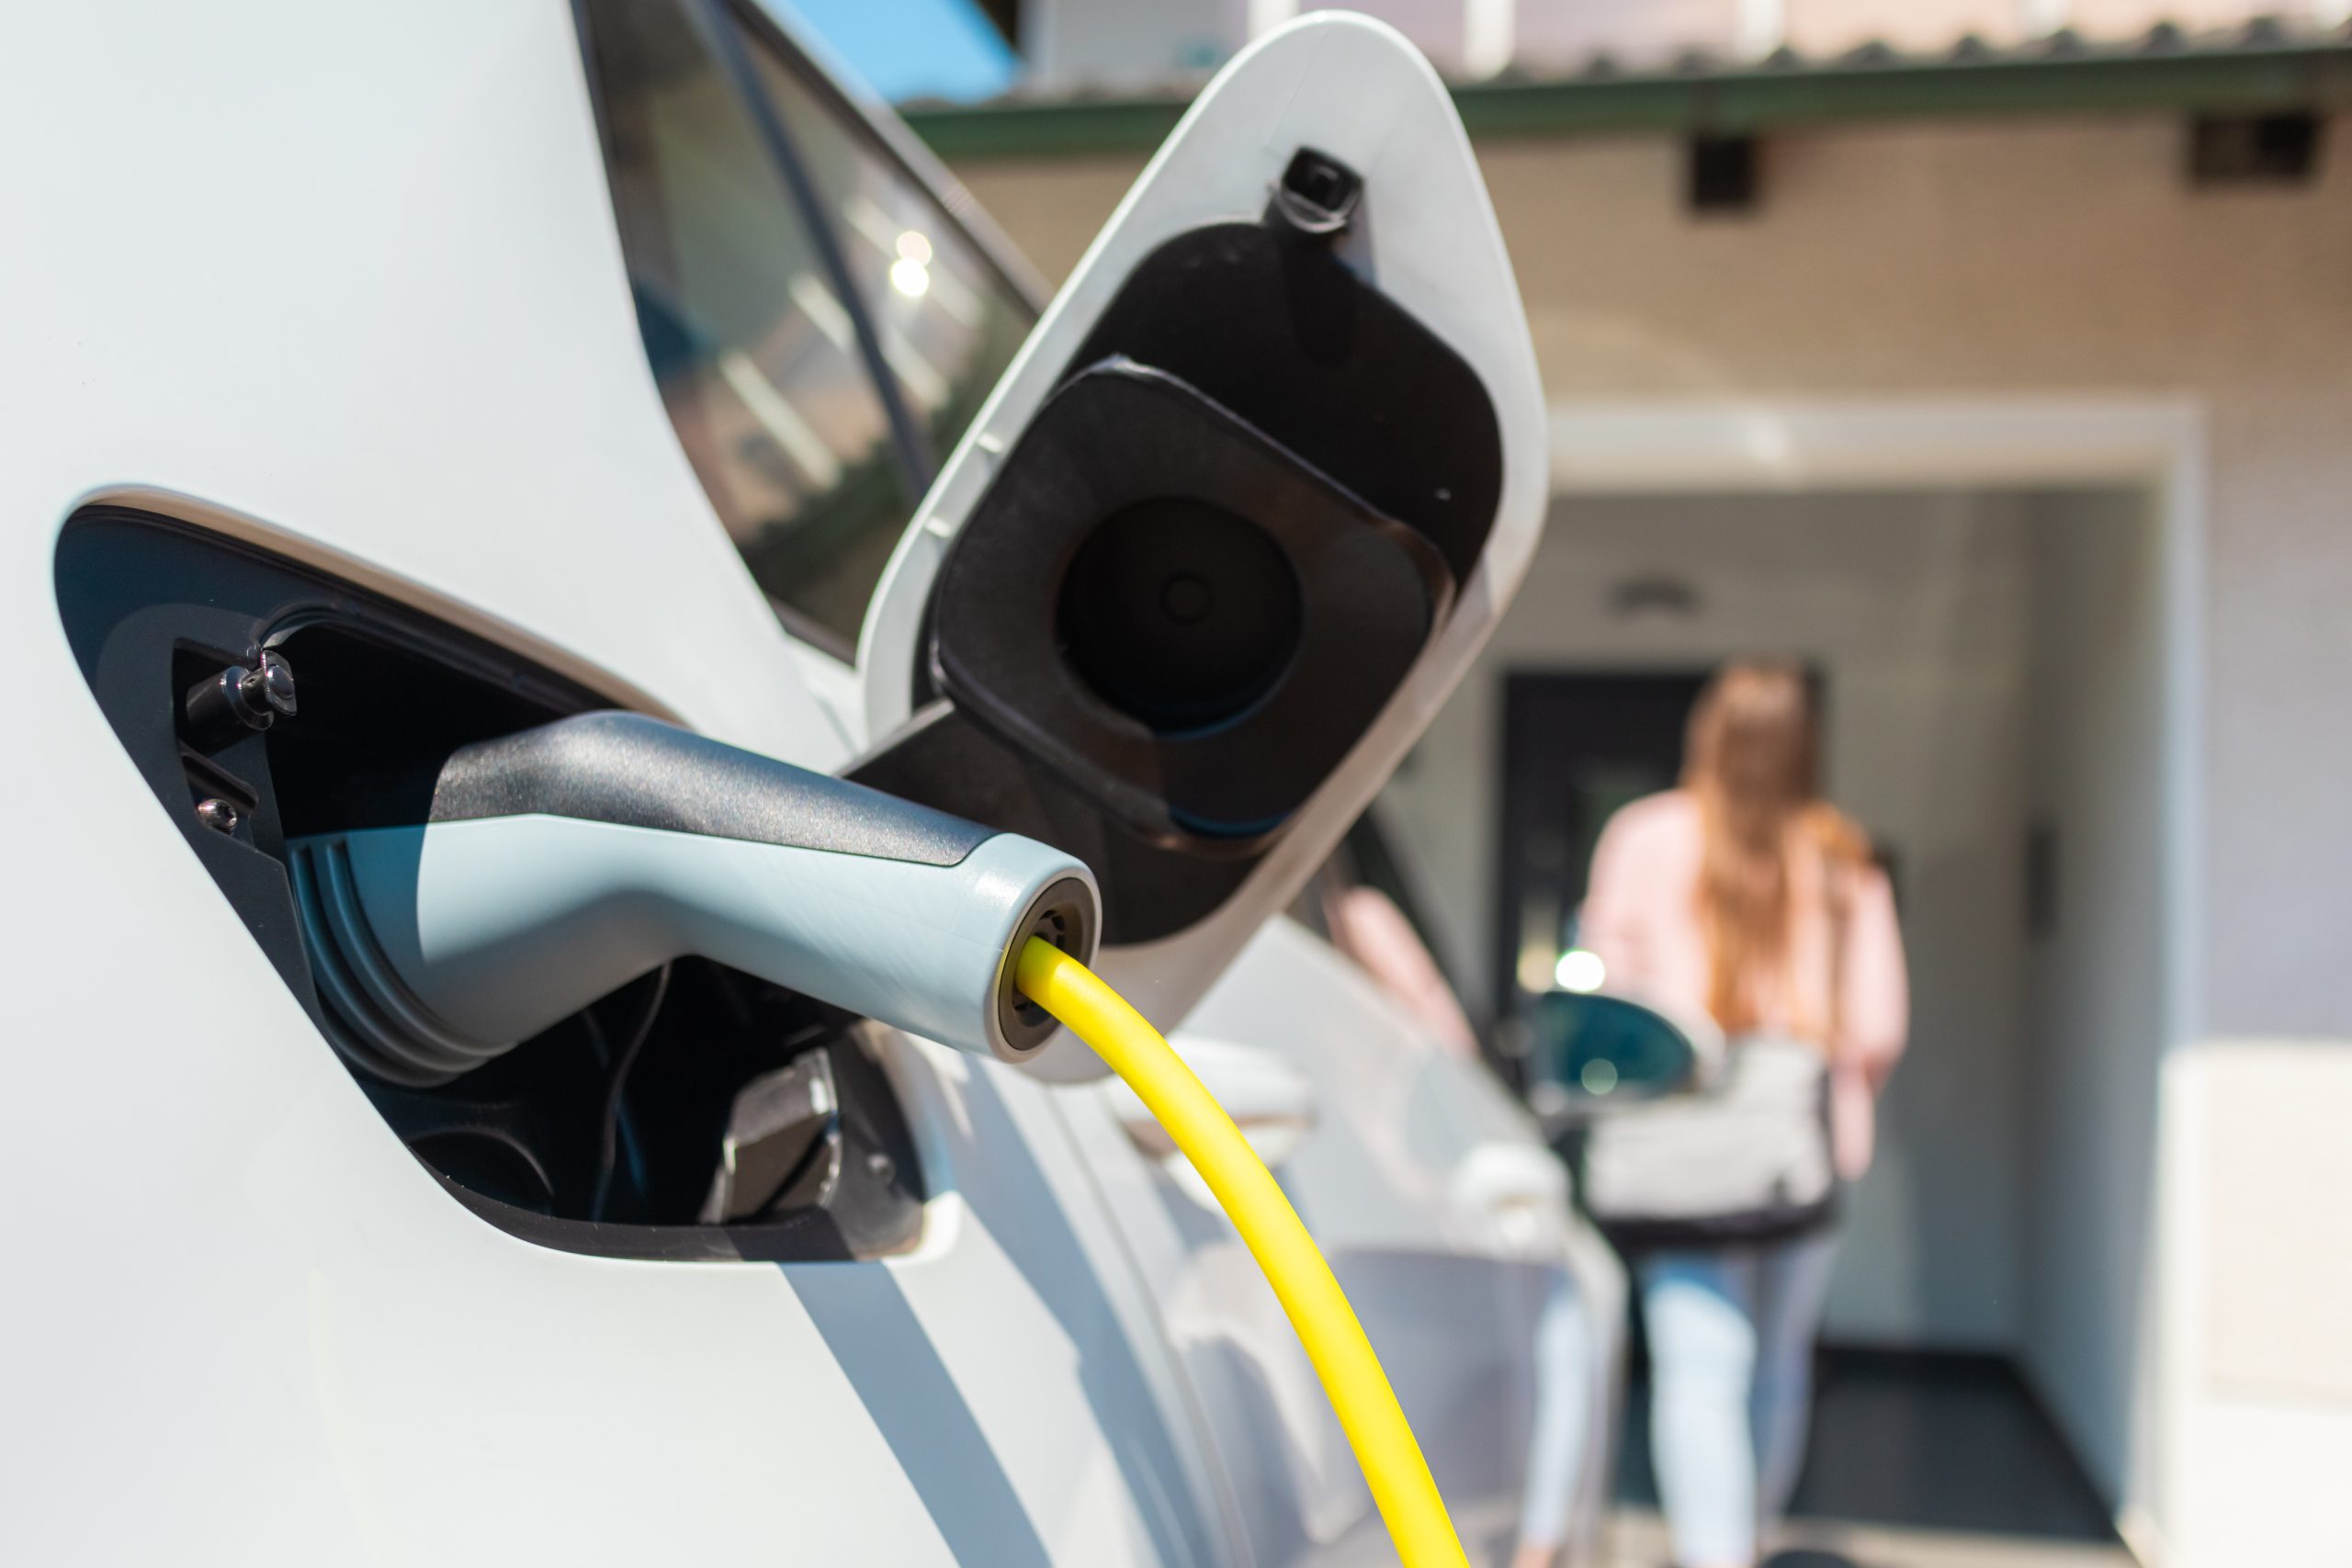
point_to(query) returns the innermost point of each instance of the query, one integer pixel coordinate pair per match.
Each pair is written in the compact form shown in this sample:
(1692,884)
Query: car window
(750,337)
(947,323)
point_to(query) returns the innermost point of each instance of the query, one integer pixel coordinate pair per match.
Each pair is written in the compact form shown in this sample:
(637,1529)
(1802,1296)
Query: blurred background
(1993,359)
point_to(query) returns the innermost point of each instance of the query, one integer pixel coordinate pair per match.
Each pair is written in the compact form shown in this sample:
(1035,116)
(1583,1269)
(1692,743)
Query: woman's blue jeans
(1731,1336)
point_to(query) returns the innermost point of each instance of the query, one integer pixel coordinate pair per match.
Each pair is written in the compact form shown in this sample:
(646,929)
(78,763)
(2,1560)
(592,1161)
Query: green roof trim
(1066,128)
(2316,77)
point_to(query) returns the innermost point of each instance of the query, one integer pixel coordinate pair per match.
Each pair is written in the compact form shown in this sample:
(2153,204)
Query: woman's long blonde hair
(1750,760)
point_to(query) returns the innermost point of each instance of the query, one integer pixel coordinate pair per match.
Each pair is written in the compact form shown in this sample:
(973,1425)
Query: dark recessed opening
(1724,173)
(1316,194)
(2254,149)
(1179,614)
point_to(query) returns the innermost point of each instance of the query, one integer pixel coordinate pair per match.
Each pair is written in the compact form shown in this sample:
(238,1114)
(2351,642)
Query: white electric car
(380,380)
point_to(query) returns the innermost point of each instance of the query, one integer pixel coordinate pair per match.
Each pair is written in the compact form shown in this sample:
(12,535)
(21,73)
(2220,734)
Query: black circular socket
(1180,614)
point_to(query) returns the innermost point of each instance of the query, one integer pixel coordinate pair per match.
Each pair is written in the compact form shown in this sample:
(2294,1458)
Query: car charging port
(691,1111)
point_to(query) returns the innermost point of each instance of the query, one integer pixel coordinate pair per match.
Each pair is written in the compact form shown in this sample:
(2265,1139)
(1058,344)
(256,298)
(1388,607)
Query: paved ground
(1915,1462)
(1637,1540)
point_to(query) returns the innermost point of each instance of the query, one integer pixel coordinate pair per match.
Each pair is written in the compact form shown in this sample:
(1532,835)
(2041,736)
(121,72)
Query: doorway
(1996,667)
(1948,1442)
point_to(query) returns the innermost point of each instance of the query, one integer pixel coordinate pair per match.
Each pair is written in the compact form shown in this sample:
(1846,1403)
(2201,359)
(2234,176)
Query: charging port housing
(604,1134)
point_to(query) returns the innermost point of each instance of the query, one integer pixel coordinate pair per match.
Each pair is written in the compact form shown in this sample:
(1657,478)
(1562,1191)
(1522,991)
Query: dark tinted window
(748,329)
(948,324)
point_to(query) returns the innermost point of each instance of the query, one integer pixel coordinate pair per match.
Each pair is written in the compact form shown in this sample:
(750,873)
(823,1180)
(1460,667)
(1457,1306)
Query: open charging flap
(1237,519)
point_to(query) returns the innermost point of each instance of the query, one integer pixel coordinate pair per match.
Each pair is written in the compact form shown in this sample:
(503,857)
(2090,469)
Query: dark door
(1575,747)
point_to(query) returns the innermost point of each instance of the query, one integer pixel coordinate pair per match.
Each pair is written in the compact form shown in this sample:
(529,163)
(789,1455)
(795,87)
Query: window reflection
(948,324)
(754,349)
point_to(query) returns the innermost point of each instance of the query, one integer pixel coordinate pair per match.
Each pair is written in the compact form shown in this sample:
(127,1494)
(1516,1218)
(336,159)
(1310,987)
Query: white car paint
(1443,1214)
(344,284)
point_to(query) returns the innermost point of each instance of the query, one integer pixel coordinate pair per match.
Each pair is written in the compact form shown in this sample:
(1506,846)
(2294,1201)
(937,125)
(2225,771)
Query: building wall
(2062,258)
(1914,609)
(1978,261)
(2259,1429)
(2095,984)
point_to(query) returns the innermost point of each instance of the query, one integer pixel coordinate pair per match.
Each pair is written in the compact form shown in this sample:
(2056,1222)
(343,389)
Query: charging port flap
(1240,513)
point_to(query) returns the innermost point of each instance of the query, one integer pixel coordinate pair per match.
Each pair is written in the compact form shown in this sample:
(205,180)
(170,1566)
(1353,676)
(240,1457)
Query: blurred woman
(1747,895)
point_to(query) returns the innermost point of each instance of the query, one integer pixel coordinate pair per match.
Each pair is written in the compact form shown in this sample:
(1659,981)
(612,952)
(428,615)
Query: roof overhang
(2305,77)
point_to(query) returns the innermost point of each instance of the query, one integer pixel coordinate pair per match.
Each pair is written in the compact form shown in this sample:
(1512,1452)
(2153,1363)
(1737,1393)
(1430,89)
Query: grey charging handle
(560,862)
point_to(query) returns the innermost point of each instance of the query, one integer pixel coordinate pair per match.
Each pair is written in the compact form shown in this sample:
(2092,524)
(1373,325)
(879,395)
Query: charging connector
(560,862)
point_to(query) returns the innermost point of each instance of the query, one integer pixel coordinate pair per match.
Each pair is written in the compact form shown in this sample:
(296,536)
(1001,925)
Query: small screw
(275,679)
(881,1166)
(224,708)
(217,815)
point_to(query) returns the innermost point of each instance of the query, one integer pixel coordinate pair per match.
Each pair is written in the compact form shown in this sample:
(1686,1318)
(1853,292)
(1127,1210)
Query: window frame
(730,29)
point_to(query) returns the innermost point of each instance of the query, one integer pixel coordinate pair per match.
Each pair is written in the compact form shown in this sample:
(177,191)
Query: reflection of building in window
(767,334)
(1362,901)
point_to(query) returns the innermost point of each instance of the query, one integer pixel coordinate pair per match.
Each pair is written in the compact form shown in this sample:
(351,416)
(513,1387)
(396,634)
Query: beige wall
(1976,261)
(2258,1263)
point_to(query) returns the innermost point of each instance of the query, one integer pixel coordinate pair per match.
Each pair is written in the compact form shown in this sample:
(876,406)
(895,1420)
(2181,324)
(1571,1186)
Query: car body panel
(346,287)
(376,319)
(379,312)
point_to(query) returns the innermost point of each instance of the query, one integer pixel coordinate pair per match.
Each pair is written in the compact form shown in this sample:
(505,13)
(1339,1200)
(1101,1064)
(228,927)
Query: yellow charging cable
(1326,1325)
